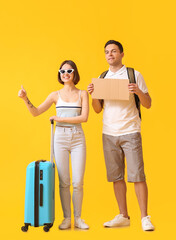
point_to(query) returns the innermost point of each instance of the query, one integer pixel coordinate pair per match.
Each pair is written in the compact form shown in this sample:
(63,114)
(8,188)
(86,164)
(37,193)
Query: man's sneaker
(66,223)
(146,224)
(118,221)
(79,223)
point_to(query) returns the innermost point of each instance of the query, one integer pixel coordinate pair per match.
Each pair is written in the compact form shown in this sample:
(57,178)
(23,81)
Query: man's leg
(132,147)
(121,219)
(114,159)
(120,193)
(142,196)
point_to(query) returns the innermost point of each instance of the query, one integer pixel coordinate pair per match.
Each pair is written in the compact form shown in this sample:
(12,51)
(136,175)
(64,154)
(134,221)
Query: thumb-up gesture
(22,93)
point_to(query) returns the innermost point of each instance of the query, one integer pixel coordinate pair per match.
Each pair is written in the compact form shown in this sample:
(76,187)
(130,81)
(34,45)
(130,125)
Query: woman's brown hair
(76,77)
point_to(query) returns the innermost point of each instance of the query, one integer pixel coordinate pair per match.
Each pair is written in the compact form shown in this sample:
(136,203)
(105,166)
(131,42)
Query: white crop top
(68,109)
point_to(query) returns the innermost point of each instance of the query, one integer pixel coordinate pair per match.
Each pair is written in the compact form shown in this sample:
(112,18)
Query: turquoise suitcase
(40,193)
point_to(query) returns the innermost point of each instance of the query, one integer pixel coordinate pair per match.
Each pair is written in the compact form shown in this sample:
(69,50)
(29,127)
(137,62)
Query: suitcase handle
(52,142)
(41,195)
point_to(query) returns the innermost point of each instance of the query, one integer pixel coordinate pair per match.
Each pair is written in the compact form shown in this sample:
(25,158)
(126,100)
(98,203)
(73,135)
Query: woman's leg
(61,153)
(78,160)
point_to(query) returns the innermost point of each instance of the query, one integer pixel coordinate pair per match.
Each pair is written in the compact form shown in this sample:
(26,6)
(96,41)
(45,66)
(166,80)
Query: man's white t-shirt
(121,117)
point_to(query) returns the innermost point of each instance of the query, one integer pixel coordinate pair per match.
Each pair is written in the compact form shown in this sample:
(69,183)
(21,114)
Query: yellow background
(36,36)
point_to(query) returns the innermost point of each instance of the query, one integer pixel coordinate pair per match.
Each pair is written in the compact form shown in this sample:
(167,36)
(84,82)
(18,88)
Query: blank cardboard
(112,89)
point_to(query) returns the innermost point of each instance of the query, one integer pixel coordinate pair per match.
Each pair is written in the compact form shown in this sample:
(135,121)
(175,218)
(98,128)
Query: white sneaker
(79,223)
(66,223)
(146,224)
(118,221)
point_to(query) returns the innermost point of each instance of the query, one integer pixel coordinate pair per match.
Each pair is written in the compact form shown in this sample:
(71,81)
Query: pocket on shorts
(134,141)
(107,142)
(135,137)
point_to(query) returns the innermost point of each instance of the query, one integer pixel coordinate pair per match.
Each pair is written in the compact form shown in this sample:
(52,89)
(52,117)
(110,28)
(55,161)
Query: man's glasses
(69,71)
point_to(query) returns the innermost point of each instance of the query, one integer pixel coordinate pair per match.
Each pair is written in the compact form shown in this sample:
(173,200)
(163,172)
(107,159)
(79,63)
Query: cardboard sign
(112,89)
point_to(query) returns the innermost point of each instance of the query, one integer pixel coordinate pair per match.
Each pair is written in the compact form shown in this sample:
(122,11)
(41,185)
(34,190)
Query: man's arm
(144,98)
(95,102)
(96,105)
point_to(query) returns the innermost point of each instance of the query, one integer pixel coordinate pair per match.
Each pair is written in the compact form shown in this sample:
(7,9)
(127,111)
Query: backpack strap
(102,76)
(132,79)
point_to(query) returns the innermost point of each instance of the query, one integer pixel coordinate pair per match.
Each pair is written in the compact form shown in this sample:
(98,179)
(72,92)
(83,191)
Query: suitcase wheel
(24,228)
(46,228)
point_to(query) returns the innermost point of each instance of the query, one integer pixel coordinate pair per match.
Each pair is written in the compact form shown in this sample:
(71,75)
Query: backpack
(131,77)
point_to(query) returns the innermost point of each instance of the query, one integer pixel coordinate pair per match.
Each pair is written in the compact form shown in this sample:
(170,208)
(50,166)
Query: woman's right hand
(22,93)
(90,88)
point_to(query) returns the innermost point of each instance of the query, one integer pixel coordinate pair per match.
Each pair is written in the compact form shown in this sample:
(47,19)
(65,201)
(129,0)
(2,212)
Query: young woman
(72,109)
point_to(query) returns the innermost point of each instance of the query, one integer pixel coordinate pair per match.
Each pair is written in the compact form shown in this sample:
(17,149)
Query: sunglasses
(69,71)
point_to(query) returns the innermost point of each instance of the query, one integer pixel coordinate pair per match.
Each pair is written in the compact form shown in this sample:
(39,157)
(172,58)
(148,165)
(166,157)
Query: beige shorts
(116,149)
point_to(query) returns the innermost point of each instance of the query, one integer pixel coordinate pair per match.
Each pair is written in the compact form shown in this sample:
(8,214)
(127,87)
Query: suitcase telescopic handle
(52,142)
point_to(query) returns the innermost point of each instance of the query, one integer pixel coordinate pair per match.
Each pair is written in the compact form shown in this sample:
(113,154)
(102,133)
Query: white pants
(70,140)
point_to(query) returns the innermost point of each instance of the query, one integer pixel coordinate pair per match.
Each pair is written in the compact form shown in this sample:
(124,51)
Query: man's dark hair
(76,74)
(116,43)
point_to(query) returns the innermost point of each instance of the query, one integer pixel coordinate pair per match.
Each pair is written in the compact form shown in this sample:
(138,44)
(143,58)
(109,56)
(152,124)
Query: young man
(122,138)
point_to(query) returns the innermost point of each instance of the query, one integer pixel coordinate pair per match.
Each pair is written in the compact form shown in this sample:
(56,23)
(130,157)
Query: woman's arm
(35,111)
(84,113)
